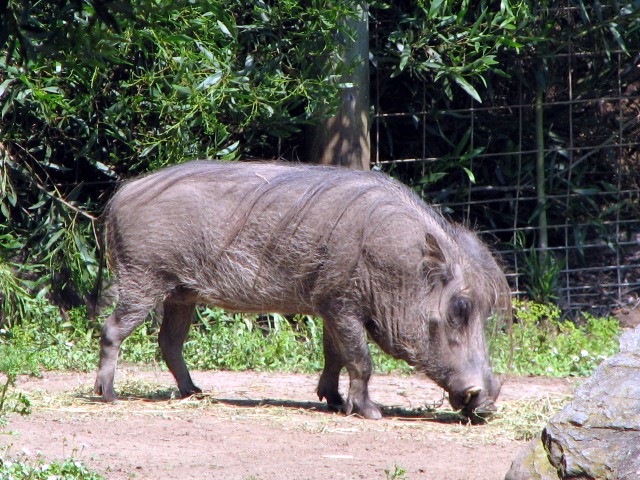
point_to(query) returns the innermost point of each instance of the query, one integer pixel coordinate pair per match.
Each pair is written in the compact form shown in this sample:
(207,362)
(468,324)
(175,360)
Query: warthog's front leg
(330,378)
(348,343)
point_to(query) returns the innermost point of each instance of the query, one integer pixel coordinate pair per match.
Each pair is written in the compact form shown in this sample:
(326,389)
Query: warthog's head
(463,294)
(457,356)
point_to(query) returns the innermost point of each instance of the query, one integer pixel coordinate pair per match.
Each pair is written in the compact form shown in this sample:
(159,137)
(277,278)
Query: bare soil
(261,426)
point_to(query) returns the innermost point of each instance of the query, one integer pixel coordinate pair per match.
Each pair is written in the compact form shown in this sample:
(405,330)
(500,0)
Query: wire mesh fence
(548,171)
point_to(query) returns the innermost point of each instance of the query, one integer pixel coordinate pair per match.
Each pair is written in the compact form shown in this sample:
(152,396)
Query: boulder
(597,435)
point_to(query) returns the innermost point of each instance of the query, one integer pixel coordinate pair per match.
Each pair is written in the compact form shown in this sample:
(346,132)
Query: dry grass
(515,420)
(524,419)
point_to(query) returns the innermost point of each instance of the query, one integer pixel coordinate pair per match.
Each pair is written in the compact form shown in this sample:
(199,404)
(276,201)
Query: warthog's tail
(93,298)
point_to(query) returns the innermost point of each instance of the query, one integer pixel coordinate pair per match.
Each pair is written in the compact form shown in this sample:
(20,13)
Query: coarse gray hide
(356,248)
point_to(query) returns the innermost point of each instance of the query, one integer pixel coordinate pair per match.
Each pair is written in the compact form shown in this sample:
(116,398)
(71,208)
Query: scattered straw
(524,419)
(515,420)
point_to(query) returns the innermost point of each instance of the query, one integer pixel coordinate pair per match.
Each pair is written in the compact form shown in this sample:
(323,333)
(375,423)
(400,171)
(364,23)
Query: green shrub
(238,342)
(543,344)
(53,341)
(92,92)
(235,342)
(12,363)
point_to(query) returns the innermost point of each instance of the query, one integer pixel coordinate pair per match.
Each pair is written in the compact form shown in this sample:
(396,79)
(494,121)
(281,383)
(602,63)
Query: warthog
(358,249)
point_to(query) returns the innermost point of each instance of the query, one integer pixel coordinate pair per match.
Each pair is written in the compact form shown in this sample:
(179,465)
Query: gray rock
(596,436)
(532,463)
(629,468)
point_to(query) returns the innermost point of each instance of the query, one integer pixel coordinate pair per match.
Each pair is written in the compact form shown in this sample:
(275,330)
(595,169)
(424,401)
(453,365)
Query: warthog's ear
(434,263)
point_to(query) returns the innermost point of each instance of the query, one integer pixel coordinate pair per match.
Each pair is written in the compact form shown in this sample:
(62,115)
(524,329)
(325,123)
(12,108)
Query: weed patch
(238,342)
(543,344)
(40,470)
(13,363)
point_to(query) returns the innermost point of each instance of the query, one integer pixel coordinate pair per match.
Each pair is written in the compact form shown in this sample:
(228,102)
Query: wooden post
(344,139)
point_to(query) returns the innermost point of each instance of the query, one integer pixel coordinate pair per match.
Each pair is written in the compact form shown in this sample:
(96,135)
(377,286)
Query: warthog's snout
(477,402)
(471,393)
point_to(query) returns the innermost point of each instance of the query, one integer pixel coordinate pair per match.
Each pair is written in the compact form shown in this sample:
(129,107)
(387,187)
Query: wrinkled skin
(355,248)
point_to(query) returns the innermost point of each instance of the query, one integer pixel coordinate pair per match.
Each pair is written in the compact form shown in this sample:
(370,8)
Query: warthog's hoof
(365,408)
(335,402)
(190,391)
(108,395)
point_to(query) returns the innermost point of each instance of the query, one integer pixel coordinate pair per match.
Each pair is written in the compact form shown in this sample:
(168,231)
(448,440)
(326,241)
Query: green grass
(40,470)
(542,343)
(218,340)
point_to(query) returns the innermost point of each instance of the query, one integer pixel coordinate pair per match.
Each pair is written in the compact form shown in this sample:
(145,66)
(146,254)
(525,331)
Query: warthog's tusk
(470,393)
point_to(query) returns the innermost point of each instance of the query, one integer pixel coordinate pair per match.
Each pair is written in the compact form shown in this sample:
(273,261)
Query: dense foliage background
(521,118)
(94,91)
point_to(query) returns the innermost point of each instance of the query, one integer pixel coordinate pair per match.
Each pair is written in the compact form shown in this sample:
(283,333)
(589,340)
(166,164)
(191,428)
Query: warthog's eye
(459,310)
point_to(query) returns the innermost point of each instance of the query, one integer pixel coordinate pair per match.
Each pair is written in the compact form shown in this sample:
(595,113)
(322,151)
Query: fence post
(543,239)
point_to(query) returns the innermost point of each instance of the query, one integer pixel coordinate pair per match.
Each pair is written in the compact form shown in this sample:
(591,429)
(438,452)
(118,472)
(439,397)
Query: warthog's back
(262,236)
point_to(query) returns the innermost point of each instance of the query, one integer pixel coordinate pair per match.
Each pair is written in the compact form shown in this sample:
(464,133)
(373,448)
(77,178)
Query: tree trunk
(344,139)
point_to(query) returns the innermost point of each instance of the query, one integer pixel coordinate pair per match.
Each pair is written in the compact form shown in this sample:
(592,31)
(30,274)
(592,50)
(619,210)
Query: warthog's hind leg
(120,324)
(330,378)
(176,321)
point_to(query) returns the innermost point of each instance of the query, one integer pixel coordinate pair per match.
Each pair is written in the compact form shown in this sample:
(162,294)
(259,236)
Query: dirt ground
(261,426)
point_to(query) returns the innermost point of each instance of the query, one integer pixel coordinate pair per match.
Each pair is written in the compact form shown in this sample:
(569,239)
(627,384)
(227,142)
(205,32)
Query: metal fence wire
(574,238)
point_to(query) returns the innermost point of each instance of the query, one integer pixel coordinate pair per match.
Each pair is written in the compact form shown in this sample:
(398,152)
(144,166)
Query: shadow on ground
(428,414)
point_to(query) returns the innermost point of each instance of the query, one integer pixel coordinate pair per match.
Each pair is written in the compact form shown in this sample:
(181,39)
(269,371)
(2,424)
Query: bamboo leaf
(472,177)
(225,29)
(467,87)
(435,8)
